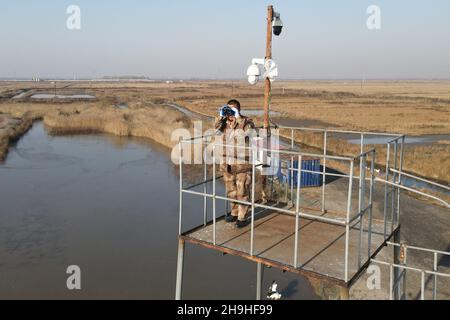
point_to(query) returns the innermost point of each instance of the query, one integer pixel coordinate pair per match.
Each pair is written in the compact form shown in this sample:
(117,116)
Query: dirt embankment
(11,129)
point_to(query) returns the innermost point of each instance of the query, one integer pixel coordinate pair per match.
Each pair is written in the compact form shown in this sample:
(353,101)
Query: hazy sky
(218,39)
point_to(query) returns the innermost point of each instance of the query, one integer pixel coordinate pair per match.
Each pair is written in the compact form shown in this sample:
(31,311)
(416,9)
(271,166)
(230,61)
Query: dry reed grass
(156,122)
(407,107)
(151,121)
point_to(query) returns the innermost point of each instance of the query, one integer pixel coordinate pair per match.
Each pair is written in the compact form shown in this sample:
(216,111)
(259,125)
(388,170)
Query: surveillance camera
(277,25)
(253,70)
(253,80)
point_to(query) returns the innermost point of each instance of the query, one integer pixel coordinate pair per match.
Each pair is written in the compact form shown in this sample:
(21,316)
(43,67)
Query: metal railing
(397,163)
(351,218)
(395,282)
(394,173)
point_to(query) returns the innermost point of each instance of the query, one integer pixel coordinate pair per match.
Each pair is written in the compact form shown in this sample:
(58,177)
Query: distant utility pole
(267,87)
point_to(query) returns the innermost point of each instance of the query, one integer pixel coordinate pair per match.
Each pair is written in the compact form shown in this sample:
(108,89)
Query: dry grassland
(405,107)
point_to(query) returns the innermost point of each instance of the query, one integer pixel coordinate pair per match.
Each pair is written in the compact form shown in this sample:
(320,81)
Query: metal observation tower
(329,233)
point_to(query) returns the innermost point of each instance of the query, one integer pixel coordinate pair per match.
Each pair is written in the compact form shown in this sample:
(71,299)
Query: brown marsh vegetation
(405,107)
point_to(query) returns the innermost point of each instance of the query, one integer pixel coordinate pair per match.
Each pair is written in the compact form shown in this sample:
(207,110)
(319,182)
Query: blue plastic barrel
(308,179)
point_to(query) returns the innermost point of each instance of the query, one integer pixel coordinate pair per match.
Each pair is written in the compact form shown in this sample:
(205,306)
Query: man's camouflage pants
(238,184)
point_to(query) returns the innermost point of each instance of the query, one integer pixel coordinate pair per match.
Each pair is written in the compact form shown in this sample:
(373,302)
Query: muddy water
(110,206)
(44,96)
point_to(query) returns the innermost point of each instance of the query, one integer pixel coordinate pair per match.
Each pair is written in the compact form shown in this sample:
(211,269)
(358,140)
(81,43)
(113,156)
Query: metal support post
(181,188)
(252,227)
(214,195)
(205,190)
(324,169)
(361,203)
(297,212)
(347,221)
(180,262)
(388,149)
(259,272)
(372,177)
(397,272)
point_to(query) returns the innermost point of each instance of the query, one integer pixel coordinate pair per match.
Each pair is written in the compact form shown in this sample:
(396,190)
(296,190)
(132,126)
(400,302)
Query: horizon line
(181,79)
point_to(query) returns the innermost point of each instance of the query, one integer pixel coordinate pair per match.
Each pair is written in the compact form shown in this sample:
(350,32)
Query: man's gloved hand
(220,123)
(223,123)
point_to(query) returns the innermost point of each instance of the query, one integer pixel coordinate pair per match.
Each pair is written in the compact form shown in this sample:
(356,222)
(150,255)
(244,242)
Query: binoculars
(226,111)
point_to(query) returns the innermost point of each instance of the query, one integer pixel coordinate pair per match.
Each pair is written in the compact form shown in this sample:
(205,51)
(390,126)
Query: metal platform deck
(321,246)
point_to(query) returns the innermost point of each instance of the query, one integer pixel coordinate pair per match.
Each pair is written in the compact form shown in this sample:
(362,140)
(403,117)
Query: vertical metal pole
(388,150)
(372,177)
(292,179)
(214,195)
(404,275)
(435,276)
(362,143)
(394,189)
(422,286)
(391,281)
(205,190)
(252,228)
(286,184)
(362,175)
(324,169)
(402,149)
(267,87)
(297,210)
(361,204)
(347,221)
(180,263)
(181,187)
(259,269)
(271,184)
(397,261)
